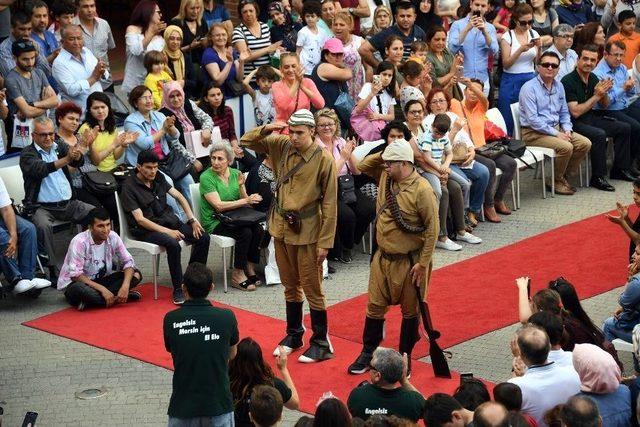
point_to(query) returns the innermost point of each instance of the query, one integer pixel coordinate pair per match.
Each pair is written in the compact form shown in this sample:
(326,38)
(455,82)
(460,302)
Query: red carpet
(472,297)
(142,339)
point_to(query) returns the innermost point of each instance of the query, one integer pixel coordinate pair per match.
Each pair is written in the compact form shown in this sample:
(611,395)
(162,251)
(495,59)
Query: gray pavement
(41,372)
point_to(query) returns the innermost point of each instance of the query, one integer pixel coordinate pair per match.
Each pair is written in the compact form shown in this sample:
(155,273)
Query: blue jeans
(224,420)
(479,176)
(612,331)
(24,266)
(510,85)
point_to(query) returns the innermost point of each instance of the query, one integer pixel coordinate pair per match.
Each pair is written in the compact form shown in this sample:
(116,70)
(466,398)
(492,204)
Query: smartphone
(376,79)
(476,13)
(466,377)
(30,419)
(460,71)
(529,289)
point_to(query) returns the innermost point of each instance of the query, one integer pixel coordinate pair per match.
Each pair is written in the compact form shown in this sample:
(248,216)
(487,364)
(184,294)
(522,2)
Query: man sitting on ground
(389,392)
(265,409)
(98,271)
(201,339)
(491,414)
(545,384)
(18,248)
(442,410)
(580,411)
(151,219)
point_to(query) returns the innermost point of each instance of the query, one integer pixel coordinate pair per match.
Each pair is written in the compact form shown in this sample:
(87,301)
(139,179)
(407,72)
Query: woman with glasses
(545,19)
(520,48)
(179,65)
(354,217)
(143,34)
(220,62)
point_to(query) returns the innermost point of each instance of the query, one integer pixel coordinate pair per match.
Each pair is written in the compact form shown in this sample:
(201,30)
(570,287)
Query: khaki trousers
(390,284)
(300,273)
(569,154)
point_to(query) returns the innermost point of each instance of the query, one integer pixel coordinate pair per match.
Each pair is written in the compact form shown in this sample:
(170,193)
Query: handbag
(460,153)
(99,183)
(368,130)
(22,130)
(346,188)
(491,150)
(175,165)
(343,106)
(234,87)
(514,147)
(493,132)
(240,217)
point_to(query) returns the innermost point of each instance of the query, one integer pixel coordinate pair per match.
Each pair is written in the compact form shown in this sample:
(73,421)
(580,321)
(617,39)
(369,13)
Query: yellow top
(103,141)
(314,182)
(155,83)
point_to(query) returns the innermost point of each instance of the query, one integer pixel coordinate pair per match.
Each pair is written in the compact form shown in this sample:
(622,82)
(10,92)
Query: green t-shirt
(199,338)
(210,182)
(368,399)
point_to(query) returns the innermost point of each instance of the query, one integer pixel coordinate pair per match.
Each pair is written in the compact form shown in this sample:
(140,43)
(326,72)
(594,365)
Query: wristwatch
(191,221)
(351,11)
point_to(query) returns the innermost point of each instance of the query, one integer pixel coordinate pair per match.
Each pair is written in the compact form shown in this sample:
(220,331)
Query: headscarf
(175,57)
(180,113)
(374,27)
(599,373)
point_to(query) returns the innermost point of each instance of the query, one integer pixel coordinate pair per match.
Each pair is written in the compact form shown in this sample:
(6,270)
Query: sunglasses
(551,65)
(523,23)
(25,45)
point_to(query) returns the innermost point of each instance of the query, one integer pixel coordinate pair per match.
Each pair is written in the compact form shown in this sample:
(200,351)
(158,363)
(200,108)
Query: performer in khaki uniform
(406,231)
(302,223)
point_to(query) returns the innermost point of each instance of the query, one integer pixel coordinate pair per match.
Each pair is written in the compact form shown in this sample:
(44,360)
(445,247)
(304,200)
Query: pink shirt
(338,145)
(286,104)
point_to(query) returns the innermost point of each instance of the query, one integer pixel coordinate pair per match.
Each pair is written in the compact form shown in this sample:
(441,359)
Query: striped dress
(242,33)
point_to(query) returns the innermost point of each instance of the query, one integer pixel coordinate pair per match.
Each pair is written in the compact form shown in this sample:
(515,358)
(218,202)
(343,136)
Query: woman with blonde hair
(194,29)
(221,63)
(355,213)
(179,65)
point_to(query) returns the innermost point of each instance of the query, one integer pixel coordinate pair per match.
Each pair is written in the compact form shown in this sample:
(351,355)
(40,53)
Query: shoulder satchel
(99,183)
(346,187)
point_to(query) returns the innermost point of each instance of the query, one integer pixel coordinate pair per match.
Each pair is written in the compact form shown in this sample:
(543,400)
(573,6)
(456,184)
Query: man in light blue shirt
(39,23)
(546,122)
(623,104)
(76,69)
(47,187)
(475,38)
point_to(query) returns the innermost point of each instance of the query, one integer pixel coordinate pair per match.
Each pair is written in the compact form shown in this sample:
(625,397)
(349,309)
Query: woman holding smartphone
(520,48)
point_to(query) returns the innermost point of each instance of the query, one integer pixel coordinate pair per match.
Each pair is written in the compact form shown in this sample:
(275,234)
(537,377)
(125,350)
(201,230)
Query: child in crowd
(628,35)
(63,12)
(263,106)
(156,62)
(503,18)
(419,50)
(310,37)
(379,96)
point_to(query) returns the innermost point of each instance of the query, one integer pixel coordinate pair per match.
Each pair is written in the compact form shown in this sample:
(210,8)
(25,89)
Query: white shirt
(386,100)
(568,61)
(134,71)
(5,200)
(544,387)
(311,44)
(72,74)
(561,357)
(526,60)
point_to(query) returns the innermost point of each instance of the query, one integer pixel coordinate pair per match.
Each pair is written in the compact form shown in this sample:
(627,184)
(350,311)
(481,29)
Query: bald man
(491,414)
(545,384)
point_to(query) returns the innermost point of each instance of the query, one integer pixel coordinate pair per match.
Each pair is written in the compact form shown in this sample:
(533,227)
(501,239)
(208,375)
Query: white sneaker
(469,238)
(23,286)
(448,245)
(41,283)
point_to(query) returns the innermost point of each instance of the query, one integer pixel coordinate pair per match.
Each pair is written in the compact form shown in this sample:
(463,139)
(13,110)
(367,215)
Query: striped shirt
(437,147)
(242,33)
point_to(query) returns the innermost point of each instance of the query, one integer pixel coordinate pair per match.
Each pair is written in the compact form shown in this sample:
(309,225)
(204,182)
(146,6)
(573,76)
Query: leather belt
(61,204)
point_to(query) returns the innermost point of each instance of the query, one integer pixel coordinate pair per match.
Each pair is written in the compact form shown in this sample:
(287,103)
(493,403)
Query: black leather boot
(371,338)
(295,329)
(319,345)
(408,338)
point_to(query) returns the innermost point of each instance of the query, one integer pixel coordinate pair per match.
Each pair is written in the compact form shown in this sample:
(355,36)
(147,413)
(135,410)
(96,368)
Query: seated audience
(601,380)
(220,62)
(47,187)
(552,325)
(294,91)
(222,190)
(332,412)
(155,62)
(389,391)
(491,414)
(108,145)
(355,216)
(580,411)
(631,228)
(248,371)
(544,384)
(510,396)
(562,42)
(76,70)
(150,219)
(626,315)
(155,132)
(590,33)
(472,393)
(442,410)
(265,409)
(546,122)
(201,393)
(18,248)
(28,93)
(179,65)
(98,270)
(584,91)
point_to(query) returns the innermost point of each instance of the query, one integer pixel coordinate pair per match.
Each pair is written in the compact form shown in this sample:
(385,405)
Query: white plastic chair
(223,242)
(151,248)
(622,345)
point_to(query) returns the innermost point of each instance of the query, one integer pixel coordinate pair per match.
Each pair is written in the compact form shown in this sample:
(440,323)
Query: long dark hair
(332,413)
(110,121)
(204,103)
(142,14)
(386,66)
(571,304)
(248,370)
